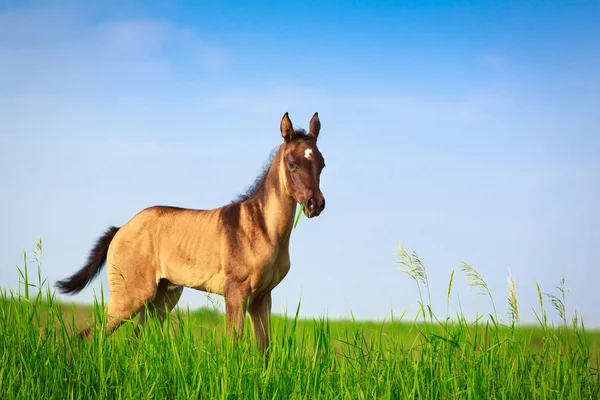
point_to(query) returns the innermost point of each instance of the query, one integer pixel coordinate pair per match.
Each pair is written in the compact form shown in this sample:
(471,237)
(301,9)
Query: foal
(240,250)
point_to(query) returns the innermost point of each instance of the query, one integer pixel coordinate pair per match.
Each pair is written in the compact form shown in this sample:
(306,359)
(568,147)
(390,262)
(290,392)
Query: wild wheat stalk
(476,281)
(449,292)
(544,320)
(559,302)
(413,267)
(407,265)
(416,261)
(512,300)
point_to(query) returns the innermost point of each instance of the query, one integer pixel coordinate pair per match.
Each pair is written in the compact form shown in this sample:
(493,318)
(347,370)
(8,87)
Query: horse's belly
(214,284)
(208,278)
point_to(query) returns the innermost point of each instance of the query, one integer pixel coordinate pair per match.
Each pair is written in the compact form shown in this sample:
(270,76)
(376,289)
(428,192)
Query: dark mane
(260,179)
(299,134)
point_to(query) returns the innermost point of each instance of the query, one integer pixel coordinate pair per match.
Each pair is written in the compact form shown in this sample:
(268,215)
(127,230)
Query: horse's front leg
(260,317)
(236,301)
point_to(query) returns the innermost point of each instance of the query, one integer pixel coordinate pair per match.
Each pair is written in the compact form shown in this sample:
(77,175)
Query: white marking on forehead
(308,154)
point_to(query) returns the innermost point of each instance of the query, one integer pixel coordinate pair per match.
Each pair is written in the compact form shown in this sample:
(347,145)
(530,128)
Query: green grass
(191,357)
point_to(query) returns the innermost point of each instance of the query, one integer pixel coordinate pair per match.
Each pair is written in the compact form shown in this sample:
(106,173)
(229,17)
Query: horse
(239,251)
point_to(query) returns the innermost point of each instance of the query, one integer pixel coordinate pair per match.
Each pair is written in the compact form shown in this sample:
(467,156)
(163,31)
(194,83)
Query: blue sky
(464,130)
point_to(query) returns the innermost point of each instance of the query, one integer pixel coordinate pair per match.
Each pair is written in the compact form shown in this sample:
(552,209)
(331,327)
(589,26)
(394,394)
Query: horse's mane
(299,134)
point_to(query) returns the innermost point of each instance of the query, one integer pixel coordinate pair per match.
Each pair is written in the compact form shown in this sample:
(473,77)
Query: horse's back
(198,248)
(178,244)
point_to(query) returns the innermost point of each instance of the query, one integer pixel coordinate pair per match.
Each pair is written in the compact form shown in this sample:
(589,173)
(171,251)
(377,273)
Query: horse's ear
(287,130)
(315,126)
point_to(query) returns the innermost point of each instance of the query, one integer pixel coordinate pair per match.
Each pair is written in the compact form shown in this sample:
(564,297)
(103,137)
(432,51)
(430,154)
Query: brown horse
(240,250)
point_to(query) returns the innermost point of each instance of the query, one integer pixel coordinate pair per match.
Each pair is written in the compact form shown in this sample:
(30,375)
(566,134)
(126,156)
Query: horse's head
(302,163)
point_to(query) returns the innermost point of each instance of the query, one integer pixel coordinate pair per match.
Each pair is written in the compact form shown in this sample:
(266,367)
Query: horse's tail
(78,281)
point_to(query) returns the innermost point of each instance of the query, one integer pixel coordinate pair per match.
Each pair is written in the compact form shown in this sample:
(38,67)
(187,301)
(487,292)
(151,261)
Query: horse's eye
(291,165)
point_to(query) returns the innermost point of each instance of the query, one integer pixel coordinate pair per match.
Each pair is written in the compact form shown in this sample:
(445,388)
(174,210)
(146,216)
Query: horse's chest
(271,275)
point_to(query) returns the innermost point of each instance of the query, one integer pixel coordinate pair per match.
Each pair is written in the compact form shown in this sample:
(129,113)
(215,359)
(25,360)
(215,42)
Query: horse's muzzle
(314,206)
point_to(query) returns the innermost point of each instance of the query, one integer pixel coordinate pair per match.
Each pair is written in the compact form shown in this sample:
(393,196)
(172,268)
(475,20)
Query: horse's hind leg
(167,296)
(127,298)
(117,313)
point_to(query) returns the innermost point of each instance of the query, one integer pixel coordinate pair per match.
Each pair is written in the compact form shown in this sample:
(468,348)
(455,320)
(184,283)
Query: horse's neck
(277,205)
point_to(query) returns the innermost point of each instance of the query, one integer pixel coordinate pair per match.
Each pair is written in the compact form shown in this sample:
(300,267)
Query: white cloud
(60,51)
(470,107)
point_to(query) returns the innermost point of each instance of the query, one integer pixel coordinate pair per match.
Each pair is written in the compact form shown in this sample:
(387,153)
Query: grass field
(191,357)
